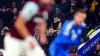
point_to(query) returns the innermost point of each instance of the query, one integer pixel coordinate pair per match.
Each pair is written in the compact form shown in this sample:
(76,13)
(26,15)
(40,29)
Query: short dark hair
(81,11)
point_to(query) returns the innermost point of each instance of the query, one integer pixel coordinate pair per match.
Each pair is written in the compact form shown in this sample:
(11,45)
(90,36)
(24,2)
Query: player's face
(46,2)
(79,18)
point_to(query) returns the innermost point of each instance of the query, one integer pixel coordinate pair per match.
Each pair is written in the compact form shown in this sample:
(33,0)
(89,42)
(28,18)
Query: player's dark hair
(80,11)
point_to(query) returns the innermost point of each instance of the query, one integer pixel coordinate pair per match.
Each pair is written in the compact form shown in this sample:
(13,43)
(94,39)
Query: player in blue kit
(70,34)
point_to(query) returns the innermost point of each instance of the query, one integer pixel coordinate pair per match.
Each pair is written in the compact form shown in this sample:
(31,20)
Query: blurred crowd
(61,11)
(65,11)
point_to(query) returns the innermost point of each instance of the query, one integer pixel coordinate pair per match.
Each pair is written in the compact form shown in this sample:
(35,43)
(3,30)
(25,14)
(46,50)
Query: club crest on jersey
(74,35)
(79,31)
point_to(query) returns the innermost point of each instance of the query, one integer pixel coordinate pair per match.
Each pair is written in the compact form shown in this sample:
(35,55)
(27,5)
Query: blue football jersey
(70,33)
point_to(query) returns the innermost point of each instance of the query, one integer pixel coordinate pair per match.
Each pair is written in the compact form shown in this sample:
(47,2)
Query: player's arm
(42,26)
(66,27)
(42,32)
(28,11)
(20,27)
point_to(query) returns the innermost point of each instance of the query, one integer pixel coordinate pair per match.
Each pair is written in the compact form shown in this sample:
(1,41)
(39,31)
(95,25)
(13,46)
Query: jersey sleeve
(66,28)
(29,10)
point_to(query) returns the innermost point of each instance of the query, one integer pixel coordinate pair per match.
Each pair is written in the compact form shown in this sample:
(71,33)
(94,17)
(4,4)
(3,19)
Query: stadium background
(92,21)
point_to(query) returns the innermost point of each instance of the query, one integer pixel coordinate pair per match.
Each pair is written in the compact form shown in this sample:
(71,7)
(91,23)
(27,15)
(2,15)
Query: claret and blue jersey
(70,35)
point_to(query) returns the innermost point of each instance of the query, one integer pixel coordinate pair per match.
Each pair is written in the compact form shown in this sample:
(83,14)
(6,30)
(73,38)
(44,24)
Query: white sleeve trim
(29,10)
(83,24)
(68,28)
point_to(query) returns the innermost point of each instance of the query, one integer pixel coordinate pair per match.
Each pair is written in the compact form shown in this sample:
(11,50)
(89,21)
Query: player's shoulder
(69,23)
(31,3)
(83,25)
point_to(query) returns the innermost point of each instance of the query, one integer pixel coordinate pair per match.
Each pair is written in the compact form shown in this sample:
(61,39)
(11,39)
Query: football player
(20,37)
(70,34)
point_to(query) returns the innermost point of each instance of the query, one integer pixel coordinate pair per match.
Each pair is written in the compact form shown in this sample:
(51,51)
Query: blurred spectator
(10,17)
(56,24)
(13,5)
(60,14)
(52,12)
(83,1)
(64,1)
(50,35)
(73,2)
(3,15)
(88,19)
(65,6)
(23,2)
(76,3)
(97,51)
(4,9)
(85,8)
(58,11)
(50,31)
(15,11)
(84,4)
(58,31)
(8,9)
(54,6)
(70,13)
(6,17)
